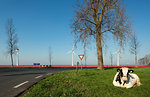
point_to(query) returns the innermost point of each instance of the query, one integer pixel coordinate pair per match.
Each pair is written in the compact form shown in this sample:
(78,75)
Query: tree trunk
(135,59)
(99,52)
(11,59)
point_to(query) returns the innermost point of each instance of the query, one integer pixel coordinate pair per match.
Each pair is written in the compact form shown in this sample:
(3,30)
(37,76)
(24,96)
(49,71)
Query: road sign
(36,63)
(81,57)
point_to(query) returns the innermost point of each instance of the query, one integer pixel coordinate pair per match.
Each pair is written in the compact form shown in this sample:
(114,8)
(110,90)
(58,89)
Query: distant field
(89,83)
(63,66)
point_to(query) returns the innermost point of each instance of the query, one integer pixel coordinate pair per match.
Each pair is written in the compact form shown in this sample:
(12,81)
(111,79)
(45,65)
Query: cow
(125,78)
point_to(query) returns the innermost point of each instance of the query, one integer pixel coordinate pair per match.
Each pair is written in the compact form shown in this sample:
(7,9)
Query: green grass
(89,83)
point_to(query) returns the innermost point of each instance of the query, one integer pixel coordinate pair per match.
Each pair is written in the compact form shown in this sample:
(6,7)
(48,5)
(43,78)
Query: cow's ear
(118,70)
(131,71)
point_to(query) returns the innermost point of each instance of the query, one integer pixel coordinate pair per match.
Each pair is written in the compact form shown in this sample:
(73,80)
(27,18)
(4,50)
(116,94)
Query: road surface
(14,81)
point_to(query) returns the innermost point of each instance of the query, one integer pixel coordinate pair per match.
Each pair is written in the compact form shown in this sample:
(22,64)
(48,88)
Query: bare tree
(145,60)
(134,46)
(95,18)
(50,56)
(12,38)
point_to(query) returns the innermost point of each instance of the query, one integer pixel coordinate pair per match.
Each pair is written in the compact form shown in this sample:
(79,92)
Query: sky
(41,24)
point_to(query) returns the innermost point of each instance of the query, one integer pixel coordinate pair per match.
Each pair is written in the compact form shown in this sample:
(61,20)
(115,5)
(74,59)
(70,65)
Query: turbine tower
(72,54)
(17,50)
(118,56)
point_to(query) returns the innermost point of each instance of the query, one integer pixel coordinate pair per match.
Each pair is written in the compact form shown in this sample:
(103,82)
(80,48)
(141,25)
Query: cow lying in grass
(125,78)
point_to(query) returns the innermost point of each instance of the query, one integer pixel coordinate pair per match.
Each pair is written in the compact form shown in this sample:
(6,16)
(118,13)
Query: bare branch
(89,21)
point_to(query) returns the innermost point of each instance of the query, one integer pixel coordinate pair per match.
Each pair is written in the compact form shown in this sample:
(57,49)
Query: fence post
(77,67)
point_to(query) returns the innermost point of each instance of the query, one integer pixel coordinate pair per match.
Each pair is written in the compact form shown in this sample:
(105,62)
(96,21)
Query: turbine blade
(74,53)
(69,52)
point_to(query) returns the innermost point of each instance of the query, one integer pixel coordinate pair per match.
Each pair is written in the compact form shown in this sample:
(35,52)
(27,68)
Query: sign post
(81,57)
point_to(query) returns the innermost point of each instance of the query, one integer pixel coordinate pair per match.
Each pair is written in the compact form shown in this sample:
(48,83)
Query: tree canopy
(93,18)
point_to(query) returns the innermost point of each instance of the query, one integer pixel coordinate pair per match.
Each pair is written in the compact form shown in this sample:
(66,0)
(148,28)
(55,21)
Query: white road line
(49,73)
(20,84)
(38,76)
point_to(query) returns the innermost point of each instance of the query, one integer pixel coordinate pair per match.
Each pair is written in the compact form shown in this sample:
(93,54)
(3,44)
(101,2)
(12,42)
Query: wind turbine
(72,51)
(17,50)
(118,56)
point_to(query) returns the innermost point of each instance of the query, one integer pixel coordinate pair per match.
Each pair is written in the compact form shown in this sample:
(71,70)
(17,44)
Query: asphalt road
(13,81)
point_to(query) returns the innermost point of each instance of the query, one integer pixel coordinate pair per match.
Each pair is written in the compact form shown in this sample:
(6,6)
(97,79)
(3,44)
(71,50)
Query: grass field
(89,83)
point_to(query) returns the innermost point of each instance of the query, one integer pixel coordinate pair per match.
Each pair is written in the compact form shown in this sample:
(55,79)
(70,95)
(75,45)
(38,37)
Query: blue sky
(44,23)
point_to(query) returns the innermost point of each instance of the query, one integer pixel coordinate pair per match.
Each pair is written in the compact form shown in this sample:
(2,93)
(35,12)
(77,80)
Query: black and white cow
(125,78)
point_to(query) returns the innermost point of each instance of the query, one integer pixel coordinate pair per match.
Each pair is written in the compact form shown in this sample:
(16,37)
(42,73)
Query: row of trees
(93,19)
(145,60)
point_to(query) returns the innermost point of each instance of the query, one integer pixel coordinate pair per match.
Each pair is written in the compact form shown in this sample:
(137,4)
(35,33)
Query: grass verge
(89,83)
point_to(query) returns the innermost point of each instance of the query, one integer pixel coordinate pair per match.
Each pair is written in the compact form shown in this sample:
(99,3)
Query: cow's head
(124,73)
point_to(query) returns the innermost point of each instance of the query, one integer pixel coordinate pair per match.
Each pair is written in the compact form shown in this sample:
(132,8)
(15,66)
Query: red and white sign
(81,57)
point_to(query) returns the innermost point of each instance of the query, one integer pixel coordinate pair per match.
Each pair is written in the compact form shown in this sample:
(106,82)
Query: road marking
(38,76)
(20,84)
(49,73)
